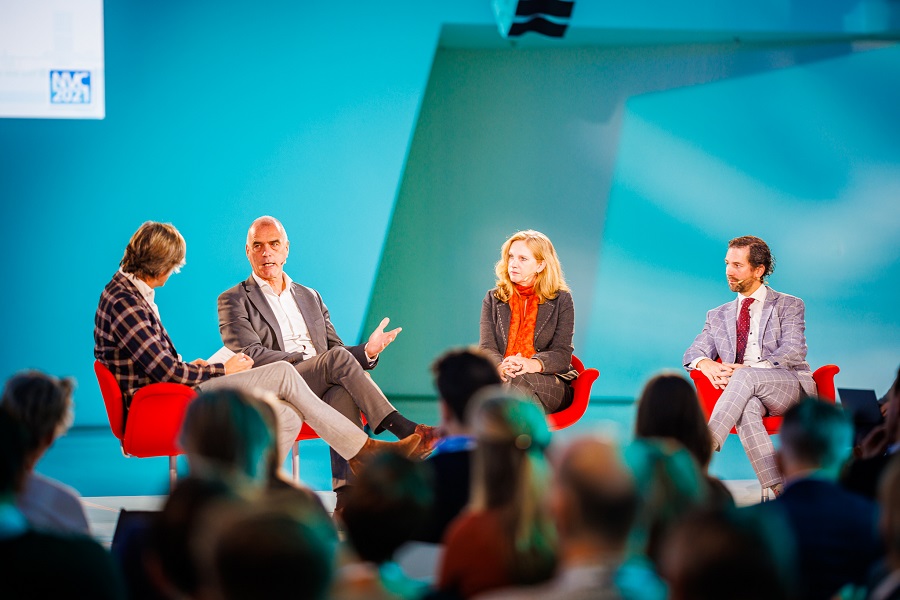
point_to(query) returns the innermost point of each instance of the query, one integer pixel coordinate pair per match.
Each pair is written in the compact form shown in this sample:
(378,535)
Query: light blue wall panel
(515,139)
(217,112)
(805,158)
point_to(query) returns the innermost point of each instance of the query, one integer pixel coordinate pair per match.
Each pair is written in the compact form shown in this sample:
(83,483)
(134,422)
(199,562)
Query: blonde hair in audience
(511,474)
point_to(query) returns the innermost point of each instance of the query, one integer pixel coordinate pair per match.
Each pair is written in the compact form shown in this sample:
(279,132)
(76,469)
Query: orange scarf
(523,307)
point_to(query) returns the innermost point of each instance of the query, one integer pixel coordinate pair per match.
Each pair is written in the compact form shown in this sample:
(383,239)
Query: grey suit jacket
(552,332)
(782,339)
(247,324)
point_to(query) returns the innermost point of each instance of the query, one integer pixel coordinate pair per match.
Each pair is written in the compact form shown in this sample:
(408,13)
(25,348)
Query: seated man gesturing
(270,317)
(129,338)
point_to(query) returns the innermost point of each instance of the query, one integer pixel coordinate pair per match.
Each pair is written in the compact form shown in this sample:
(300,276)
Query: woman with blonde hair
(507,536)
(527,321)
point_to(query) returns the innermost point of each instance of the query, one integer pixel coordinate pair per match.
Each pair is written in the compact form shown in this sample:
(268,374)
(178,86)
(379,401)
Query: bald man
(270,318)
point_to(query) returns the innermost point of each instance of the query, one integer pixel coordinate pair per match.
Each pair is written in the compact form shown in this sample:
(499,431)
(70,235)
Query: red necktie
(743,330)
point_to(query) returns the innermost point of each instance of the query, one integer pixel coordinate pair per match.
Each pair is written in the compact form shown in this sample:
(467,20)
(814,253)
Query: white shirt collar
(146,291)
(264,285)
(759,295)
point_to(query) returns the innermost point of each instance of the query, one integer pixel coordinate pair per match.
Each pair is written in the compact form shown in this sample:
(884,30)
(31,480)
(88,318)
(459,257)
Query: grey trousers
(340,381)
(751,394)
(295,403)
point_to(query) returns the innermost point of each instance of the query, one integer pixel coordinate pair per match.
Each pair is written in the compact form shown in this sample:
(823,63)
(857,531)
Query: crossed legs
(750,395)
(296,403)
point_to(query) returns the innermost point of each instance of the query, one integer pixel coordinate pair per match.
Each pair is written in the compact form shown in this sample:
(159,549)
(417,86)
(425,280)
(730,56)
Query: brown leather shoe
(430,436)
(408,446)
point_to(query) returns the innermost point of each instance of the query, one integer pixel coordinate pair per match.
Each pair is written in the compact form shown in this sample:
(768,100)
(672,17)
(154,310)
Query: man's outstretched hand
(381,339)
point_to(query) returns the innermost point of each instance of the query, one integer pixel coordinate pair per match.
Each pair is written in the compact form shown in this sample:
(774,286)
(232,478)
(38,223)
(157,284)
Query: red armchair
(708,395)
(150,427)
(570,415)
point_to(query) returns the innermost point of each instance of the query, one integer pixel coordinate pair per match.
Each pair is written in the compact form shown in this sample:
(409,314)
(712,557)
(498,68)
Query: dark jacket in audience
(835,534)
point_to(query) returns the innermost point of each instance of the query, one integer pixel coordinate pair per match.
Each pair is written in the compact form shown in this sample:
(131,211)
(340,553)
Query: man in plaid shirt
(130,340)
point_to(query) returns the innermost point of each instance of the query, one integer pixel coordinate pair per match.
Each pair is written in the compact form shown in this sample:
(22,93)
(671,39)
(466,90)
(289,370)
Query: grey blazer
(247,324)
(552,332)
(782,336)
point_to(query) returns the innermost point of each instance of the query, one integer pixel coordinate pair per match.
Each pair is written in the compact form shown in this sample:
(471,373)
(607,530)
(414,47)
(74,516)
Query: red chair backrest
(155,419)
(582,388)
(112,398)
(824,377)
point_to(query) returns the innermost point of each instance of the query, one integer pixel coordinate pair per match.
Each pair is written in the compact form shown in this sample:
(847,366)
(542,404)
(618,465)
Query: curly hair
(760,255)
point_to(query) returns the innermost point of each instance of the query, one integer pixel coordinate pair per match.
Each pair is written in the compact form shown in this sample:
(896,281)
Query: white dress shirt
(753,352)
(294,330)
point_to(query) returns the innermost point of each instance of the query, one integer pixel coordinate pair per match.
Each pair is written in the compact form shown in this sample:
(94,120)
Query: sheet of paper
(220,356)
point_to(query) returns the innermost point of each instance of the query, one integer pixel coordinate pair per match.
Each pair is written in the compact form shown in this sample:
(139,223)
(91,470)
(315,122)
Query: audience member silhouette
(669,408)
(36,564)
(835,534)
(458,376)
(887,586)
(280,547)
(594,502)
(42,405)
(715,553)
(389,502)
(507,536)
(669,484)
(170,559)
(862,473)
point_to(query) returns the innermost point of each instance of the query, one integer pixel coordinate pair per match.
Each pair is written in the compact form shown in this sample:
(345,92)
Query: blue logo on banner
(70,87)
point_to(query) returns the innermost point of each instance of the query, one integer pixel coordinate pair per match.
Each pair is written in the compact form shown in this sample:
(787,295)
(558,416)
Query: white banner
(51,59)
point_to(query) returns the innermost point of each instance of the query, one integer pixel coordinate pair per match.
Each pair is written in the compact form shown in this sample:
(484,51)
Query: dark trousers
(338,379)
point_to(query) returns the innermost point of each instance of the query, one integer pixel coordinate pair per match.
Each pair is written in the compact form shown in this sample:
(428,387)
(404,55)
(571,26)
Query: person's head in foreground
(458,376)
(710,555)
(388,503)
(42,406)
(816,436)
(511,474)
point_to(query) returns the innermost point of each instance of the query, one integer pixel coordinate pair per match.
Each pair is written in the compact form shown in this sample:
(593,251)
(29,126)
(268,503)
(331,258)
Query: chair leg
(295,461)
(173,472)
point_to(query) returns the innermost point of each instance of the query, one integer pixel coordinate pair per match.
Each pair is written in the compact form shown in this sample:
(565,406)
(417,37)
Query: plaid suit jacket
(782,336)
(133,344)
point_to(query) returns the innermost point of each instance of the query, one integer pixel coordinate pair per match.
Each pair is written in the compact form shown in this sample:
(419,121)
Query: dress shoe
(430,436)
(408,446)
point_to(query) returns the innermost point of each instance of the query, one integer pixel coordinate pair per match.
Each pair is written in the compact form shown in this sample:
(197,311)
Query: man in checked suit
(270,318)
(759,337)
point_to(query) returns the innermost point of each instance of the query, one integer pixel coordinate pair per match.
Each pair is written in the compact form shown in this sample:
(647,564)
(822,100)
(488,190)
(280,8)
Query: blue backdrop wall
(219,112)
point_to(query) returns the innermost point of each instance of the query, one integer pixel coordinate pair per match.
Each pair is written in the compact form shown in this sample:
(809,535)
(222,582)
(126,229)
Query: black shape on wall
(553,8)
(538,25)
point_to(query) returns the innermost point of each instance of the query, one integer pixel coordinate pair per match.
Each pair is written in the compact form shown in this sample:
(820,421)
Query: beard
(741,286)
